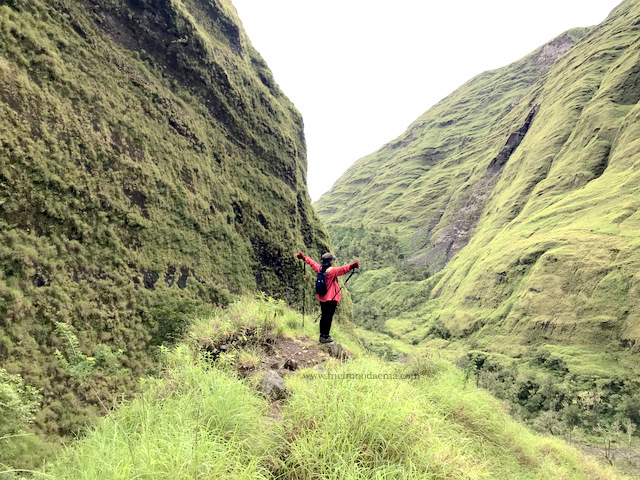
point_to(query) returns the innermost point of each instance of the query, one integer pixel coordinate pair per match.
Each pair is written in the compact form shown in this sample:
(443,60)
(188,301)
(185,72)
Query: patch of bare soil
(286,355)
(282,356)
(272,358)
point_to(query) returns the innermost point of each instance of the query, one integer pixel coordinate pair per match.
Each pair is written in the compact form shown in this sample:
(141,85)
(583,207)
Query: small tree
(548,422)
(610,435)
(629,427)
(18,404)
(590,402)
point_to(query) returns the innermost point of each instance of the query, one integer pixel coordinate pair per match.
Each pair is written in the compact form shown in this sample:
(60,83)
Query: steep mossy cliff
(149,166)
(509,212)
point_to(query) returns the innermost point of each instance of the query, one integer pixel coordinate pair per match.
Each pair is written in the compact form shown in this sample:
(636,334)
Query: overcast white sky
(361,71)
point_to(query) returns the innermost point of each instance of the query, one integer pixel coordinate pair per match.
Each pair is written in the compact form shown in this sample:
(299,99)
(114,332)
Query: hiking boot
(325,339)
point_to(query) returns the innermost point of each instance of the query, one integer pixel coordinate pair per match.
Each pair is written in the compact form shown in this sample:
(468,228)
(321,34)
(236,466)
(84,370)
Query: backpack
(321,283)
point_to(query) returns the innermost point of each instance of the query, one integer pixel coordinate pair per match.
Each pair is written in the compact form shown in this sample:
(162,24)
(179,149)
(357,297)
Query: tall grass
(434,427)
(196,422)
(423,420)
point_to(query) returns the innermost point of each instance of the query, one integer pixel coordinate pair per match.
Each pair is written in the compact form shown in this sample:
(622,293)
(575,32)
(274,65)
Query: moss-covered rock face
(148,162)
(519,194)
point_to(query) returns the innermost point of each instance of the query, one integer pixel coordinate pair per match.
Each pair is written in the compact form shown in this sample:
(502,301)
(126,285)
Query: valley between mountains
(155,323)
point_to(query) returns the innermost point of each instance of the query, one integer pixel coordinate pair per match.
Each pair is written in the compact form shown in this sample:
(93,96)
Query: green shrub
(170,315)
(438,329)
(18,405)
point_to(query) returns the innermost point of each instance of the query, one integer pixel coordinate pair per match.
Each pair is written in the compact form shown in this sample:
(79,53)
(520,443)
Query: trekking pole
(339,290)
(304,293)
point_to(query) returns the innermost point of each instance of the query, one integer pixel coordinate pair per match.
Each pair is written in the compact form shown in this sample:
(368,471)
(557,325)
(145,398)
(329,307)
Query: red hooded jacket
(332,273)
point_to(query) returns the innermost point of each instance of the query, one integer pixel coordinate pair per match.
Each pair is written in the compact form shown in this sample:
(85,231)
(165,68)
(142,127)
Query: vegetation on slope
(149,166)
(519,195)
(420,420)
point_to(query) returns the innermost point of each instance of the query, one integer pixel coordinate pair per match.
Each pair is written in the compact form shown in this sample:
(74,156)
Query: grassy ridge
(197,422)
(518,193)
(149,166)
(200,420)
(504,223)
(562,214)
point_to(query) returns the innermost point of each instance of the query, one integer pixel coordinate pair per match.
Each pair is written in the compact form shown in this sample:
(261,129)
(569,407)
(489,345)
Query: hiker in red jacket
(329,301)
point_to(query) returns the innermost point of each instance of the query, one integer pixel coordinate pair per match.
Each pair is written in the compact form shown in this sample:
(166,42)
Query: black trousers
(328,309)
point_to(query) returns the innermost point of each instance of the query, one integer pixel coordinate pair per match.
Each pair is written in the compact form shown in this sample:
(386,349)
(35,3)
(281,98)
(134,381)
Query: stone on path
(336,350)
(291,364)
(272,385)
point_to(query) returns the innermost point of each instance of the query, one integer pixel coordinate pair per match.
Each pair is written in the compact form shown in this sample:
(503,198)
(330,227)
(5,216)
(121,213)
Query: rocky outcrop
(515,139)
(553,50)
(459,229)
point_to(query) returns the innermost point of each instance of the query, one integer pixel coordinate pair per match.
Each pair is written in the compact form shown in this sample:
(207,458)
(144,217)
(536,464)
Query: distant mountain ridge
(519,193)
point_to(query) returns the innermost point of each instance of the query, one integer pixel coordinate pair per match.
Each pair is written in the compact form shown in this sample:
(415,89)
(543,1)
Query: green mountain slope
(149,165)
(516,201)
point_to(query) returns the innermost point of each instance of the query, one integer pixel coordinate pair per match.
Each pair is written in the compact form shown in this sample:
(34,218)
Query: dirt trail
(286,355)
(282,356)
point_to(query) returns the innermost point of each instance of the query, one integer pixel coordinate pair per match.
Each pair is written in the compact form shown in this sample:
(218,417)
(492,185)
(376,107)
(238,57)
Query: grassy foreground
(201,420)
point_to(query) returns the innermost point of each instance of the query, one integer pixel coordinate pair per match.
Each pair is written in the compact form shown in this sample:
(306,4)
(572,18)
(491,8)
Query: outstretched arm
(346,268)
(315,265)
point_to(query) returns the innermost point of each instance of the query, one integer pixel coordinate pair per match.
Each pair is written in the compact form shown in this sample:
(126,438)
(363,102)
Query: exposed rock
(247,365)
(337,351)
(462,223)
(291,364)
(515,139)
(553,50)
(272,385)
(149,279)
